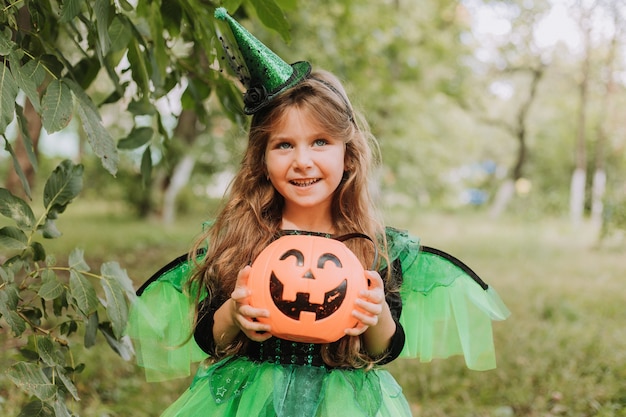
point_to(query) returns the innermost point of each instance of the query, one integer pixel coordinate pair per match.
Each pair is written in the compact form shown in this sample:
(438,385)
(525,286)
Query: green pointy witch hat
(263,73)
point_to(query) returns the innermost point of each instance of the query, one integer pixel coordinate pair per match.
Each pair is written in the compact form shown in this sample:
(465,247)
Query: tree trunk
(577,190)
(599,178)
(507,189)
(186,132)
(13,182)
(180,178)
(505,194)
(577,195)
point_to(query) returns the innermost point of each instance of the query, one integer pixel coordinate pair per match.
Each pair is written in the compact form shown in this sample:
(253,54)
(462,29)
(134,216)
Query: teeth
(304,183)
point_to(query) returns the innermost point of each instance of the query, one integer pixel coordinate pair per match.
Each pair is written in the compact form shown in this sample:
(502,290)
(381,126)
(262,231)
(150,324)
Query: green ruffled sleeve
(447,309)
(160,324)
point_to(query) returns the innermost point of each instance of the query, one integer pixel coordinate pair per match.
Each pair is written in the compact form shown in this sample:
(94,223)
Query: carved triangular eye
(295,253)
(328,257)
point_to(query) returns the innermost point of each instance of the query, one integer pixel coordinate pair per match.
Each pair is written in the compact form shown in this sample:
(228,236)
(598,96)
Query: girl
(305,171)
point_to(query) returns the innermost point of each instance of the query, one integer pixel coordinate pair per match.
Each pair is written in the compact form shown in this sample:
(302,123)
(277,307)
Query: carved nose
(308,275)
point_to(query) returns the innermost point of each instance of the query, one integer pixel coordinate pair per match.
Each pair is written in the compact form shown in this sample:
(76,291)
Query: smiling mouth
(304,183)
(333,299)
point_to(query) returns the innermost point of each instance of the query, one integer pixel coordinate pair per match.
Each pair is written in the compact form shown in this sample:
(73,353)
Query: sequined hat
(263,73)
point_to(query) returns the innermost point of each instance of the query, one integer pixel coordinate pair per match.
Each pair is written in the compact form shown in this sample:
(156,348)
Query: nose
(303,157)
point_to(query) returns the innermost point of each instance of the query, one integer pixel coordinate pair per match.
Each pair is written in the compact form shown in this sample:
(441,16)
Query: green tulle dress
(447,310)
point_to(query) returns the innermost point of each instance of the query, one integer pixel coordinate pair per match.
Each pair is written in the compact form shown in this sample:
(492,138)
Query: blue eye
(320,142)
(283,145)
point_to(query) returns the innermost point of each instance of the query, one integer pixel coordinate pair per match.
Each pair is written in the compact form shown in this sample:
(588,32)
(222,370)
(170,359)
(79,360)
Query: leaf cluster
(56,51)
(46,304)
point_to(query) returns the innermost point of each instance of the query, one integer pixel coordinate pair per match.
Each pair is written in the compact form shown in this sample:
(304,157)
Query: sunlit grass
(561,353)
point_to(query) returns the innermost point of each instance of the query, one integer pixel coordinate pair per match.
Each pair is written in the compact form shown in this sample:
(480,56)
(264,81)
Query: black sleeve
(394,301)
(203,333)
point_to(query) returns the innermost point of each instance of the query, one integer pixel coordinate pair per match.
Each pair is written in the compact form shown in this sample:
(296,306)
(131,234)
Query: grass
(561,353)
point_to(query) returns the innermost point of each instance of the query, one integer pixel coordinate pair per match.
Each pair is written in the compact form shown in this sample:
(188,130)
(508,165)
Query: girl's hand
(243,314)
(370,304)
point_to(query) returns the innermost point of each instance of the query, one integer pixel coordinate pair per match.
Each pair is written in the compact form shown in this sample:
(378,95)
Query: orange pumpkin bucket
(309,285)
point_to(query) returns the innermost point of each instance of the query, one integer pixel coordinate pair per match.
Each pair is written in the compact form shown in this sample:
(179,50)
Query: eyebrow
(317,135)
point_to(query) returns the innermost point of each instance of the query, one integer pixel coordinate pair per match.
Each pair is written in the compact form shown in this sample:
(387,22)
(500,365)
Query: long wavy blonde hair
(251,216)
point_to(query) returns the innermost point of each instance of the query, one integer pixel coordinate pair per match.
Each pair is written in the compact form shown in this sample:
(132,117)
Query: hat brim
(301,71)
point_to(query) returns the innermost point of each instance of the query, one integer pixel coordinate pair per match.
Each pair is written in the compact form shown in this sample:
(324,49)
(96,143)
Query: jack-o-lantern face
(309,285)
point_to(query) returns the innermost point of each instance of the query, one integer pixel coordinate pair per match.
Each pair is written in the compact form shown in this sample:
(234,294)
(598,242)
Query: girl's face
(304,163)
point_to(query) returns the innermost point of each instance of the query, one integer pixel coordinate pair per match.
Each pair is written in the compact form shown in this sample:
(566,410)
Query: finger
(369,306)
(239,294)
(357,331)
(250,312)
(374,279)
(248,324)
(365,318)
(241,290)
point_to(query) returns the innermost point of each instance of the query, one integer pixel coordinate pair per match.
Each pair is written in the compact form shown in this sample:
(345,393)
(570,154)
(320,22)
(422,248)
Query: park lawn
(561,353)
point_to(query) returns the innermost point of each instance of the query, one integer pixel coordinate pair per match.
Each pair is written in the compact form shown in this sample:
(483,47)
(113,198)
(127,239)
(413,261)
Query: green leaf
(17,209)
(83,293)
(116,306)
(31,379)
(63,185)
(67,382)
(120,35)
(101,10)
(91,330)
(77,261)
(28,78)
(172,14)
(60,409)
(146,167)
(51,288)
(159,49)
(6,44)
(287,4)
(231,5)
(139,67)
(231,100)
(49,229)
(112,270)
(138,137)
(6,274)
(39,253)
(86,71)
(16,322)
(122,347)
(57,105)
(37,409)
(13,238)
(69,10)
(194,96)
(141,107)
(9,299)
(52,64)
(126,5)
(34,69)
(8,94)
(271,15)
(99,138)
(45,349)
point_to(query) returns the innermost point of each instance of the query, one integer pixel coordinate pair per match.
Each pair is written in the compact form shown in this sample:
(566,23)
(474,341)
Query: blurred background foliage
(494,104)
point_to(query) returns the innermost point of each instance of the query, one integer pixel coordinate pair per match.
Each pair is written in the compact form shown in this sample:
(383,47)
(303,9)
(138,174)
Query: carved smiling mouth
(332,300)
(304,183)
